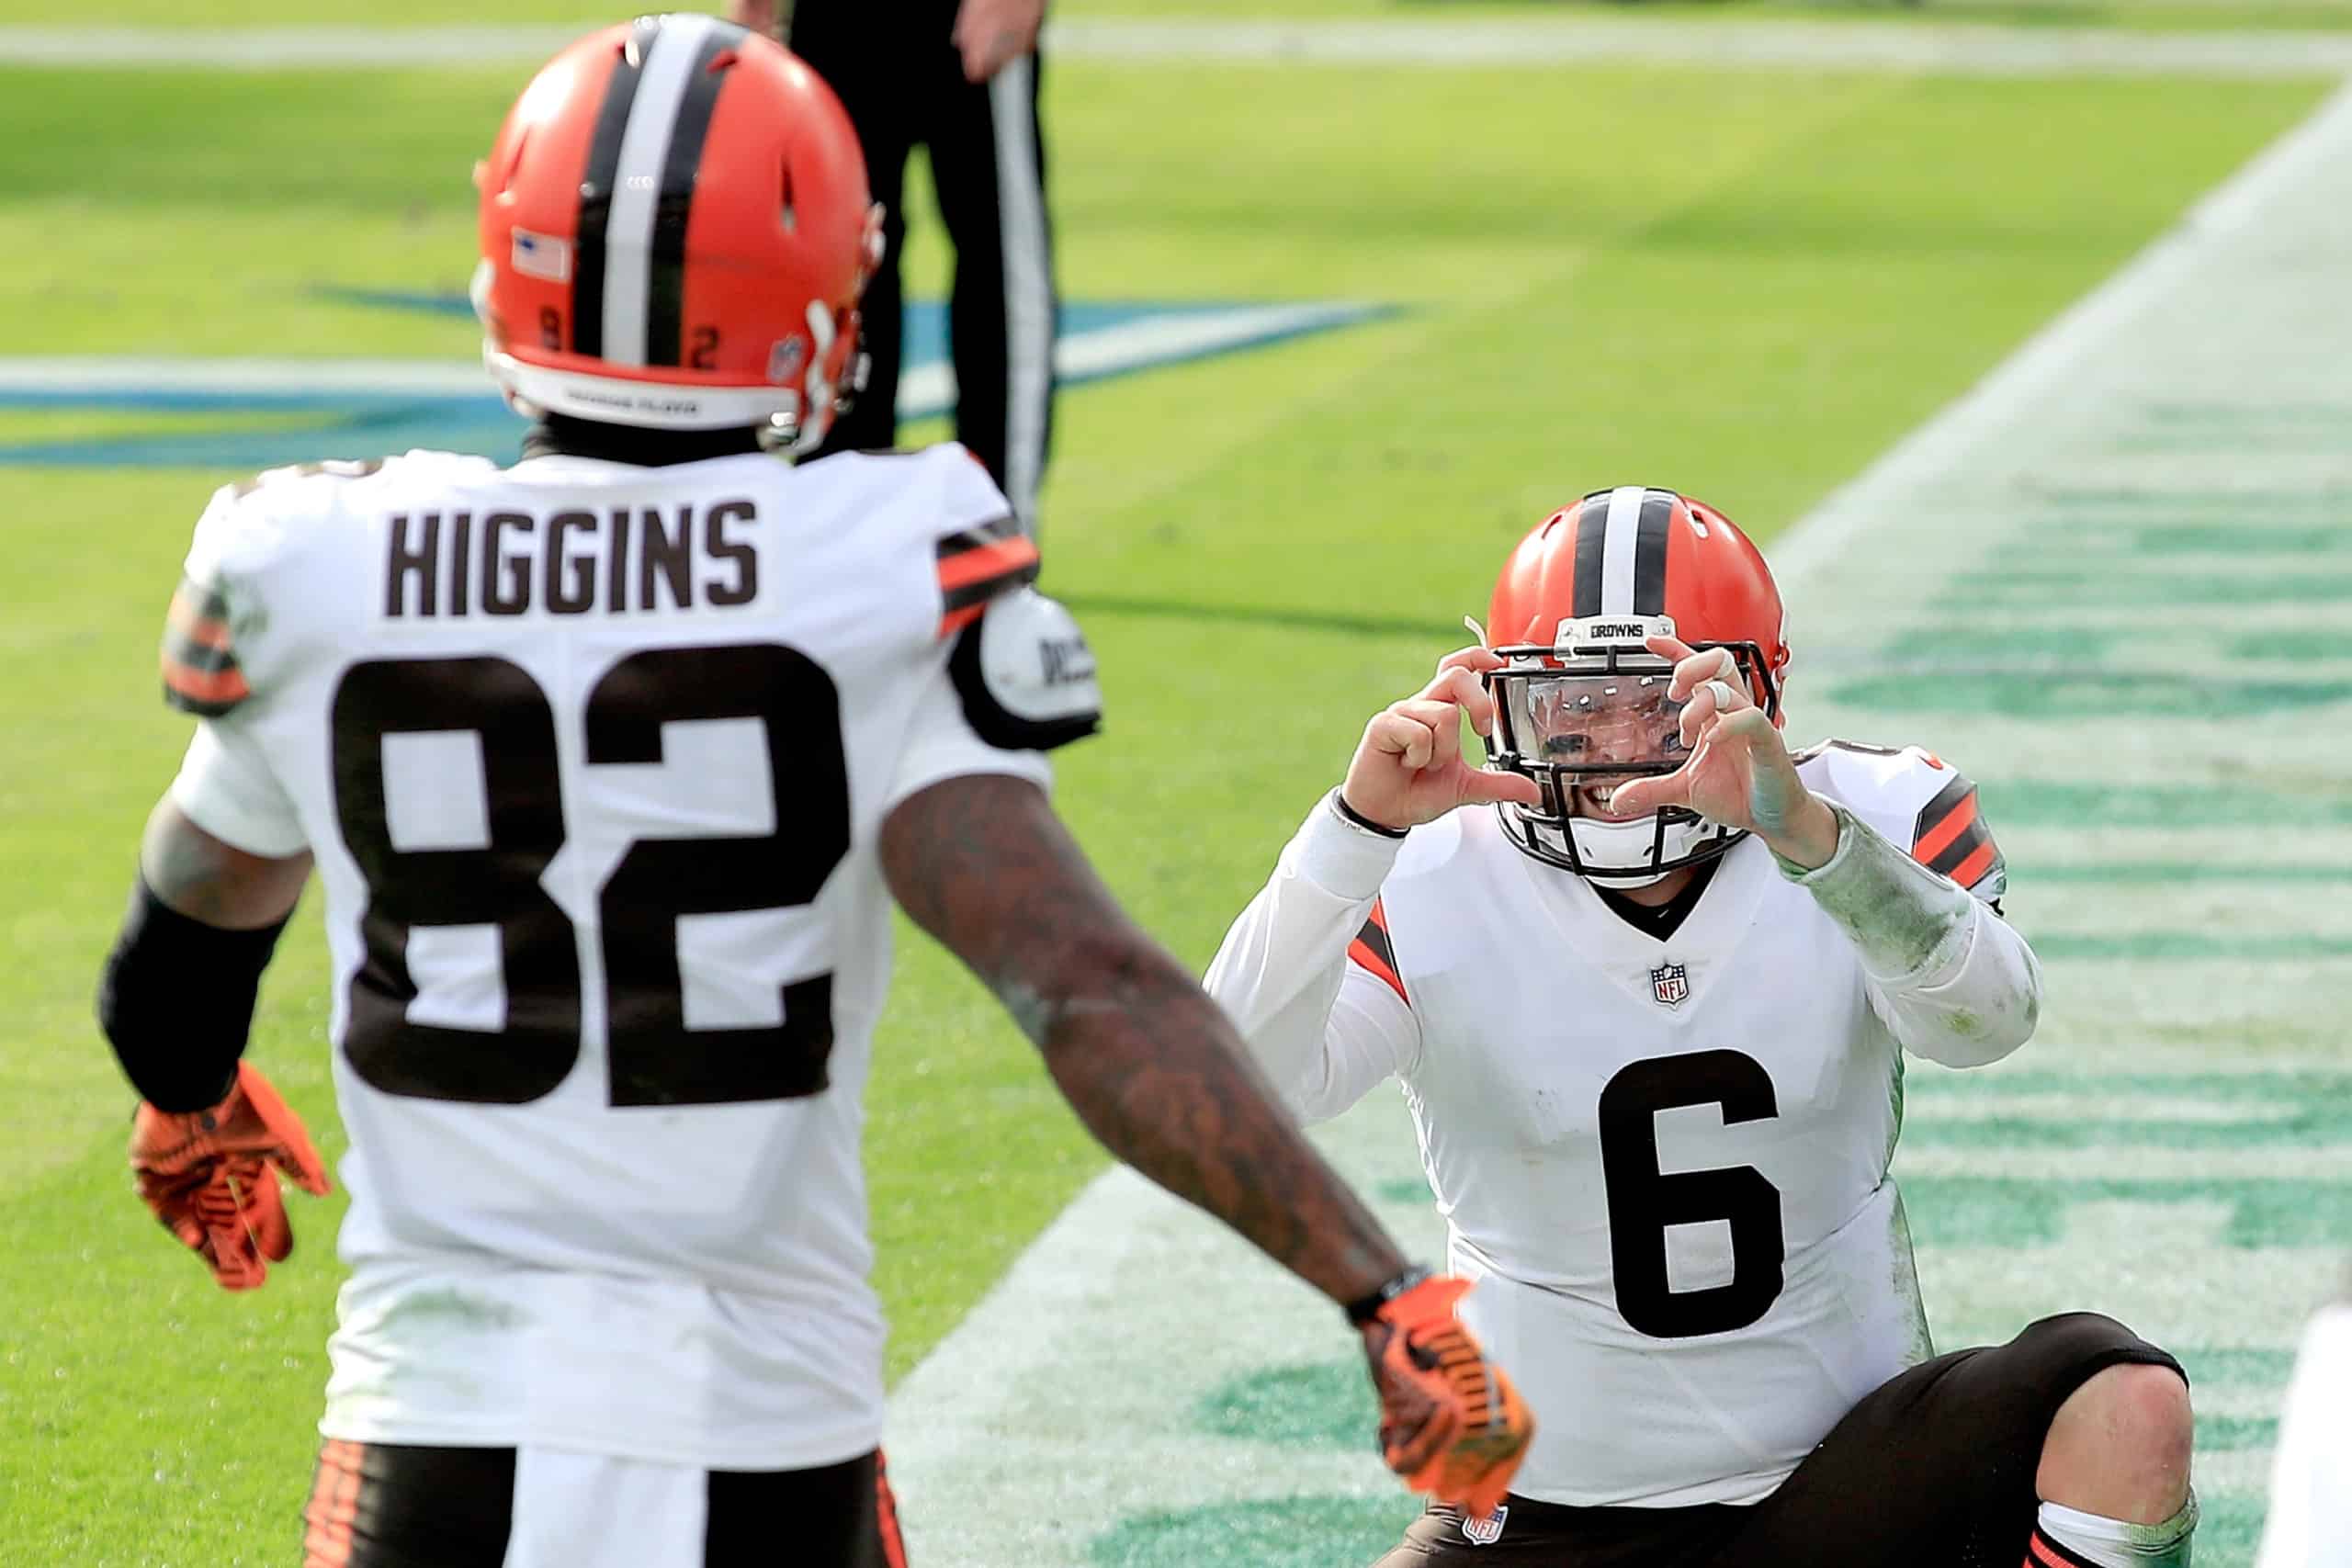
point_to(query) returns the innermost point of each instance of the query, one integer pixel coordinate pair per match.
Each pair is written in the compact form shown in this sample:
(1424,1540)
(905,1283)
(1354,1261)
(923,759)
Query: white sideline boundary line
(1966,50)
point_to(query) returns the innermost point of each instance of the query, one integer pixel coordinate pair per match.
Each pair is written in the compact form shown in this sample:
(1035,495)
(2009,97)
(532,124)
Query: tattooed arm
(1151,1066)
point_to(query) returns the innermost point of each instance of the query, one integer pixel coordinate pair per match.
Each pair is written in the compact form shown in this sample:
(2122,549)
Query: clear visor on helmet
(1618,722)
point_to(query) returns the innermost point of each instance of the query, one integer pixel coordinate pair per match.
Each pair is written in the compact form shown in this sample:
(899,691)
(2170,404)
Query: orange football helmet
(1581,700)
(675,230)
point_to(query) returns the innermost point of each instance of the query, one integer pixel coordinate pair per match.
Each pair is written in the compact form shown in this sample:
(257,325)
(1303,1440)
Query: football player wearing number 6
(1648,1000)
(611,762)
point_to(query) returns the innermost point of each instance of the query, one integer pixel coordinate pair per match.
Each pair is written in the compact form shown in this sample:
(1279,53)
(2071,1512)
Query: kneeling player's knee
(2122,1438)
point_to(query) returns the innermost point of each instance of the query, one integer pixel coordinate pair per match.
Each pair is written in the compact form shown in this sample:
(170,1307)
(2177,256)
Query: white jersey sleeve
(1018,682)
(225,785)
(1310,976)
(1952,979)
(2310,1482)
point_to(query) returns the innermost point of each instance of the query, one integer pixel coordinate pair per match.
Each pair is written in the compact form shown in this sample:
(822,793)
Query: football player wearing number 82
(1648,1000)
(611,762)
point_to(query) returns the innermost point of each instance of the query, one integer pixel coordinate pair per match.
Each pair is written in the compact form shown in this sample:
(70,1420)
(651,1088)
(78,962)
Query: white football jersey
(593,757)
(1665,1160)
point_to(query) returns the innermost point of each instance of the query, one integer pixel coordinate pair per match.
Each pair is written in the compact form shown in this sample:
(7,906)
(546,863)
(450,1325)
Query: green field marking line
(2054,690)
(2062,803)
(1531,43)
(1961,1211)
(1295,1532)
(1236,1454)
(1328,1404)
(2197,946)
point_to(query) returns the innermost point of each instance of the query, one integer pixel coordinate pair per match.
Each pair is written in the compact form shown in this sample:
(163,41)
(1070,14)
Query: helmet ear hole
(791,217)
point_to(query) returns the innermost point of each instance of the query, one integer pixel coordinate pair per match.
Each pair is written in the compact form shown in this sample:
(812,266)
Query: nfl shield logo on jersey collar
(1488,1530)
(1670,983)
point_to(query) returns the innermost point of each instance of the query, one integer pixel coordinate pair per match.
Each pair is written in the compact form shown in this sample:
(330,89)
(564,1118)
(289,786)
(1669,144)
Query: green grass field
(1745,286)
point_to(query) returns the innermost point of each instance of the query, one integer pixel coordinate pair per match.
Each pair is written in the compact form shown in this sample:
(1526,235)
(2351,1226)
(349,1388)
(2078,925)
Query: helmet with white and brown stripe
(1581,700)
(675,228)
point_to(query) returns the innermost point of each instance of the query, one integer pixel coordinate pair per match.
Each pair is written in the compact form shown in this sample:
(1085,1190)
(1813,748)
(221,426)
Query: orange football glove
(208,1176)
(1451,1424)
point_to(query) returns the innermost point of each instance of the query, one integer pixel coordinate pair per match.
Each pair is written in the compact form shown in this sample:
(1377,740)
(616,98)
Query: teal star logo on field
(258,413)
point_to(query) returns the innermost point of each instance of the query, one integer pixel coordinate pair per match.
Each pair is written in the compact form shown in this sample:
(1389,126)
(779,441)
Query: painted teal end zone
(2048,687)
(1326,1405)
(1289,1532)
(1098,340)
(1994,1211)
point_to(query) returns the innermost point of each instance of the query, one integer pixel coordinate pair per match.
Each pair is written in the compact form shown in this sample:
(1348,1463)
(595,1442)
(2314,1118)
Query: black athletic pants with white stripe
(903,83)
(389,1506)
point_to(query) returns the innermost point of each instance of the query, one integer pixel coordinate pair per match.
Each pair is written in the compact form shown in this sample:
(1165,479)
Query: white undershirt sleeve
(1954,981)
(1324,1029)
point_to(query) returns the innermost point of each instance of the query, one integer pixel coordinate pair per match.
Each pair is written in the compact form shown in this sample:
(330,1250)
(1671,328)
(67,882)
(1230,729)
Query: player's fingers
(1403,736)
(265,1220)
(1444,722)
(1715,664)
(1474,658)
(302,1166)
(1416,1451)
(1696,715)
(1646,795)
(1668,648)
(1749,727)
(1461,685)
(1486,787)
(228,1246)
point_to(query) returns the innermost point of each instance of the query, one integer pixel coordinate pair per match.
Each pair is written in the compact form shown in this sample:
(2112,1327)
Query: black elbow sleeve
(175,1000)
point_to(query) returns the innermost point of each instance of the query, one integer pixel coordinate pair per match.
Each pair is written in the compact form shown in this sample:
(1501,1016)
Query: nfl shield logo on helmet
(1488,1530)
(1670,983)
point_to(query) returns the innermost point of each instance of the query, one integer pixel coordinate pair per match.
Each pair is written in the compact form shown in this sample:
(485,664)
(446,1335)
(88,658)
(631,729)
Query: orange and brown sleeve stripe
(199,662)
(977,565)
(1372,950)
(1952,835)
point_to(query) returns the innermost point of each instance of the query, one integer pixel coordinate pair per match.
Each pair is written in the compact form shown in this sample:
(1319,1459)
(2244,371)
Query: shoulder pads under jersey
(1025,674)
(1915,799)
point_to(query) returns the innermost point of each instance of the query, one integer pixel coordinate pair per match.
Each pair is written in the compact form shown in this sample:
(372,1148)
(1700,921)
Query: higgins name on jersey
(592,758)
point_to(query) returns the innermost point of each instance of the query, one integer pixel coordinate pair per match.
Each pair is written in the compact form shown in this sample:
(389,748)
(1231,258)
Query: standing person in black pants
(960,80)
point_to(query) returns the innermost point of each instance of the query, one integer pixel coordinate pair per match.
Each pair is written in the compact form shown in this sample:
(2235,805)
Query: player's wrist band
(1355,818)
(177,1001)
(1364,1309)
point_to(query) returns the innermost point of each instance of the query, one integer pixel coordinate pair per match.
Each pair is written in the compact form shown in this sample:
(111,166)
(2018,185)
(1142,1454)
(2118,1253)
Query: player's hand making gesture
(1739,772)
(1409,769)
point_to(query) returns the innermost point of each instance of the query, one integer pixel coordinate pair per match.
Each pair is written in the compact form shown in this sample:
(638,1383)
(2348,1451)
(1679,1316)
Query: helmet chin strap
(1617,854)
